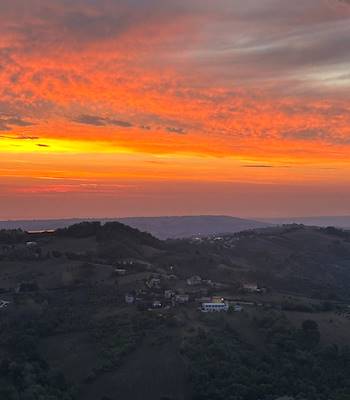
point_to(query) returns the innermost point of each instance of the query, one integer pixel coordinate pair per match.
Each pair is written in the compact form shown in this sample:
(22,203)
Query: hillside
(336,221)
(65,298)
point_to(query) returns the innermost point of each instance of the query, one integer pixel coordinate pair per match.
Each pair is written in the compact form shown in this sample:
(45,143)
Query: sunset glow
(135,107)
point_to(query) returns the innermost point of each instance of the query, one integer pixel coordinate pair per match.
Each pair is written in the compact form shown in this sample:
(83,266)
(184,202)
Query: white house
(214,307)
(31,244)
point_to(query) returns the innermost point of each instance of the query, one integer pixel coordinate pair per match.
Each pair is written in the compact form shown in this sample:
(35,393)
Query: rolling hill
(68,333)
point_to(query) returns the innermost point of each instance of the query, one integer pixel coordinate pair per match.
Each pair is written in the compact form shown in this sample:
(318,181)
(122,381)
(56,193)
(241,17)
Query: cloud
(228,71)
(90,120)
(27,137)
(21,137)
(264,166)
(116,122)
(180,131)
(101,121)
(42,145)
(19,122)
(7,123)
(257,166)
(306,134)
(4,127)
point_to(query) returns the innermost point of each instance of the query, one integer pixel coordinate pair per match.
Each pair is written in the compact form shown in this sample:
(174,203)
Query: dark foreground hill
(161,227)
(68,333)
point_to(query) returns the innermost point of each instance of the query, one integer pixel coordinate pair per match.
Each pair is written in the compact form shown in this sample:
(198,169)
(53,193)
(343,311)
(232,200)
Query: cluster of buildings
(155,296)
(171,299)
(148,300)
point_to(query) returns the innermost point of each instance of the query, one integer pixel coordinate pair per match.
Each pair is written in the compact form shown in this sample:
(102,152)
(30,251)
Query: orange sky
(135,107)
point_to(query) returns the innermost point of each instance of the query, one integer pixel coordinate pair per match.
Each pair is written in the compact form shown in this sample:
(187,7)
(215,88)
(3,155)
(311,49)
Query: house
(217,299)
(129,298)
(194,280)
(31,244)
(156,304)
(153,283)
(120,271)
(182,298)
(251,287)
(168,294)
(214,307)
(237,308)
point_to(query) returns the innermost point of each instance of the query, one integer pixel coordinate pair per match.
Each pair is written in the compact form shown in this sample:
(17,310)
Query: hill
(161,227)
(336,221)
(104,312)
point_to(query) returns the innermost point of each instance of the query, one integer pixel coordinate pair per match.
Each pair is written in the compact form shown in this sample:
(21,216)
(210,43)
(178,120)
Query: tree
(310,333)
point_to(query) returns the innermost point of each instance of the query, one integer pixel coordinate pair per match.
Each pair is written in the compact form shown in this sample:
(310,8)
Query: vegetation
(67,308)
(12,236)
(24,374)
(291,363)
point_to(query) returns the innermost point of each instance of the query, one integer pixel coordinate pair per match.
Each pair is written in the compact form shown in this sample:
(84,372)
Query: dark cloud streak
(95,120)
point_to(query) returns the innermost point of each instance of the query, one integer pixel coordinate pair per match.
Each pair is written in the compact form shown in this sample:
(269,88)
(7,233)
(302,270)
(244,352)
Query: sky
(114,108)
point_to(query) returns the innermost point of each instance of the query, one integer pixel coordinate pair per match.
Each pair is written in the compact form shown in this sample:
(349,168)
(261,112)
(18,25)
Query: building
(194,280)
(120,271)
(217,299)
(31,244)
(214,307)
(156,304)
(182,298)
(168,294)
(251,287)
(153,283)
(129,298)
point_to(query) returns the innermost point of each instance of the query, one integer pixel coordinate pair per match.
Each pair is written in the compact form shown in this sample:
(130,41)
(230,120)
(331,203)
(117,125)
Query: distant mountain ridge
(161,227)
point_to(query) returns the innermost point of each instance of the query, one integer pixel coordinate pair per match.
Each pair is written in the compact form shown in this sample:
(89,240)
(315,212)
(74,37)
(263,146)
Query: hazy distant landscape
(183,226)
(161,227)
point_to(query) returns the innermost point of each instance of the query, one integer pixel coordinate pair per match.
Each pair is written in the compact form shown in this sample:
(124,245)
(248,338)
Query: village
(137,283)
(164,291)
